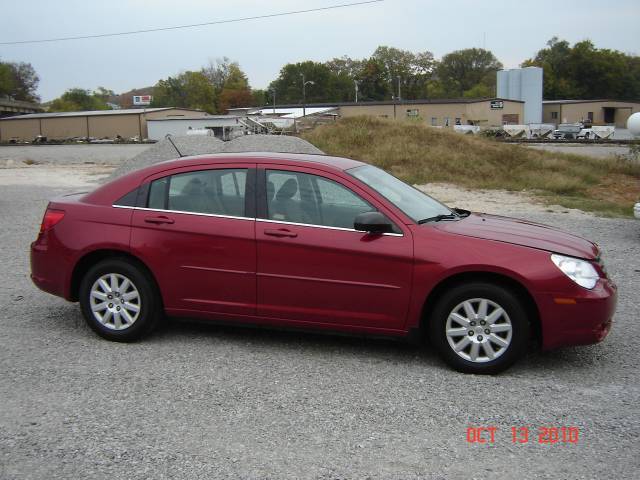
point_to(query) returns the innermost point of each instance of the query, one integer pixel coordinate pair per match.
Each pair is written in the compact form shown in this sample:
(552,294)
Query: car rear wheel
(479,328)
(119,301)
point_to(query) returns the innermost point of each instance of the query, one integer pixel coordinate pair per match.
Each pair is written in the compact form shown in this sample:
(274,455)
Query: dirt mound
(199,145)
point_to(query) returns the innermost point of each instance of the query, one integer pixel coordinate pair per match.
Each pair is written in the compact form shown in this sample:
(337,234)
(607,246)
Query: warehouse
(96,124)
(492,112)
(597,112)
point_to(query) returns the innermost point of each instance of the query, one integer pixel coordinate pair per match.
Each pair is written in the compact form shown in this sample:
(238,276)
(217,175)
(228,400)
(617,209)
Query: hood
(521,232)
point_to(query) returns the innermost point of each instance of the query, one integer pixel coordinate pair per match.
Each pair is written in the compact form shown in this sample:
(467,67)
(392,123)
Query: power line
(177,27)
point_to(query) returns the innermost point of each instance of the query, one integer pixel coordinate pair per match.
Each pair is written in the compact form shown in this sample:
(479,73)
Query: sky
(513,30)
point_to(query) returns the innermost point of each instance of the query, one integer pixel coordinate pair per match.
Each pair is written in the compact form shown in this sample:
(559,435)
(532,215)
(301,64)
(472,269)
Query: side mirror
(372,222)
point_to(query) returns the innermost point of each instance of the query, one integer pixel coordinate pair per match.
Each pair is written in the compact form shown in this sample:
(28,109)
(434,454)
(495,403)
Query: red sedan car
(318,242)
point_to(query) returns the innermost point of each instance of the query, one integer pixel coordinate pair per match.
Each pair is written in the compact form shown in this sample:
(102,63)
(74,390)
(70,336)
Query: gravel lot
(593,150)
(202,401)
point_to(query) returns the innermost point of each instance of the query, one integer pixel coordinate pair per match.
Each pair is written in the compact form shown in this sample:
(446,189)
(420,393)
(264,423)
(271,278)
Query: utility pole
(304,94)
(355,82)
(399,97)
(274,100)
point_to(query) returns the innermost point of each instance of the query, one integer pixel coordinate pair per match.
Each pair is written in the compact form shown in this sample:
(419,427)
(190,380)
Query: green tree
(327,86)
(585,72)
(372,84)
(77,100)
(413,69)
(19,80)
(462,70)
(187,90)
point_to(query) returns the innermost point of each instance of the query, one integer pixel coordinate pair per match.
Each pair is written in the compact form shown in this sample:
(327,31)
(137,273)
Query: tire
(125,313)
(510,326)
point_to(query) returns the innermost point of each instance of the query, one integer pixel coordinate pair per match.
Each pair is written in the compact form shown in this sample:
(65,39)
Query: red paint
(264,272)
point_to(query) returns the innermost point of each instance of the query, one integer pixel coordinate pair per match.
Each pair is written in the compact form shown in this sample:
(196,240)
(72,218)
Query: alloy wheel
(479,330)
(115,301)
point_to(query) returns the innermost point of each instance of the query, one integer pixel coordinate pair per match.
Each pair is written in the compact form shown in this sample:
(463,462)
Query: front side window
(216,192)
(411,201)
(310,199)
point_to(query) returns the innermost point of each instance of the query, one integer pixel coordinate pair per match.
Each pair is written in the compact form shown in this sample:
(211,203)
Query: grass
(421,154)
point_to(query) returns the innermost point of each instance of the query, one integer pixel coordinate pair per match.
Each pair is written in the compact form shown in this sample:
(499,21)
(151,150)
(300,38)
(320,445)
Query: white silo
(523,84)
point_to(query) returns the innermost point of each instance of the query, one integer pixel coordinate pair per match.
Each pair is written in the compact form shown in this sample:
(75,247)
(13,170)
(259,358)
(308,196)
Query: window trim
(217,215)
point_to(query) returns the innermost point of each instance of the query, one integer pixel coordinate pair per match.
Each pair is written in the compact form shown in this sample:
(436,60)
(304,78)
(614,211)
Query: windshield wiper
(437,218)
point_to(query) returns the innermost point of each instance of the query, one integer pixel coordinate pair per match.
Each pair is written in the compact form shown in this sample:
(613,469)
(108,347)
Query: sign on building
(497,104)
(142,99)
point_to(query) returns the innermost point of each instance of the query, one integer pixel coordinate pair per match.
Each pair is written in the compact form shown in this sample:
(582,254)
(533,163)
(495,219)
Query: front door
(313,267)
(197,234)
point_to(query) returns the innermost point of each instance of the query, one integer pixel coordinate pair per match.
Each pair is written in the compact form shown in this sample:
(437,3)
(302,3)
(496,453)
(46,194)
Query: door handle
(158,220)
(282,232)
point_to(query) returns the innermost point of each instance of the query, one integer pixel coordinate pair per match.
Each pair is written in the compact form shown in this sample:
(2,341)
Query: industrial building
(596,112)
(435,112)
(10,107)
(224,127)
(126,123)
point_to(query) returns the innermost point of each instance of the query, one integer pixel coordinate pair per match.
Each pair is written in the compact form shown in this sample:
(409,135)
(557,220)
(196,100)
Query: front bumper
(579,319)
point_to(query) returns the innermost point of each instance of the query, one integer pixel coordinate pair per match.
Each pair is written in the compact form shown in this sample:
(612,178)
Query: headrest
(287,190)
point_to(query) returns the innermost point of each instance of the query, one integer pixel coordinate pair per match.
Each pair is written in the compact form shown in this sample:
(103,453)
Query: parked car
(636,210)
(318,242)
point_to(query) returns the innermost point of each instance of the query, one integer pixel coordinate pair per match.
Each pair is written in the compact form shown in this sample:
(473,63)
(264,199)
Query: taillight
(51,218)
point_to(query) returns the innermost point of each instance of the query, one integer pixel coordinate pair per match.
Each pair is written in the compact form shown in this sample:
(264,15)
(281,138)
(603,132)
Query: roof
(10,102)
(95,113)
(393,102)
(338,163)
(294,112)
(597,100)
(191,119)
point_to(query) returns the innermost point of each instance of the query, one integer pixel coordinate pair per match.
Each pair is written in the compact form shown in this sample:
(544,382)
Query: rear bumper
(48,271)
(580,319)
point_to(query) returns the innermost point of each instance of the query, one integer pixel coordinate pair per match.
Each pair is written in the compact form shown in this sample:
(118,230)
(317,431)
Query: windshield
(410,200)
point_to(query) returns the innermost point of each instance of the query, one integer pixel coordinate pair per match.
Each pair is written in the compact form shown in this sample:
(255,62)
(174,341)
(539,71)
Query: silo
(523,84)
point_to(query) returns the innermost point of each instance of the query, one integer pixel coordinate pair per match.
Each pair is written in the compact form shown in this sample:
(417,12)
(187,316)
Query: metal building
(126,123)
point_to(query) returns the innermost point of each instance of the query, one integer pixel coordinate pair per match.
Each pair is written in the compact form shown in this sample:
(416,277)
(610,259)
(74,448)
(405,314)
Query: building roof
(597,100)
(394,102)
(10,102)
(93,113)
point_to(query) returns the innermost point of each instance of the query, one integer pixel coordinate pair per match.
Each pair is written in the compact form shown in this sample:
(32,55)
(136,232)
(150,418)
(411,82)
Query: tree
(77,100)
(187,90)
(413,69)
(327,86)
(585,72)
(19,80)
(462,70)
(371,83)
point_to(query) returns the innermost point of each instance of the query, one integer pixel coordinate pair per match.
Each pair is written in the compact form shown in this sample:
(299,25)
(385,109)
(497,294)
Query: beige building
(442,113)
(98,124)
(599,112)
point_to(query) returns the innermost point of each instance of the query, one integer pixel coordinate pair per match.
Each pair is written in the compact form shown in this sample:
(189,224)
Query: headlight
(580,271)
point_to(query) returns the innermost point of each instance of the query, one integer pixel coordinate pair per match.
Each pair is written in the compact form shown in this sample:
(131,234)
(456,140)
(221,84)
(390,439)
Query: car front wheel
(119,300)
(480,328)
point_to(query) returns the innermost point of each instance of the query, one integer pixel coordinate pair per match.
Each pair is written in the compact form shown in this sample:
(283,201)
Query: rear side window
(216,192)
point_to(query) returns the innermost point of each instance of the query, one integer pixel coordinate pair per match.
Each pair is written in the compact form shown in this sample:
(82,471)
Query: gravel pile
(270,143)
(199,145)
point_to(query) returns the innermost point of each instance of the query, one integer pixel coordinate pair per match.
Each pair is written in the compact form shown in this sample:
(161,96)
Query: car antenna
(168,137)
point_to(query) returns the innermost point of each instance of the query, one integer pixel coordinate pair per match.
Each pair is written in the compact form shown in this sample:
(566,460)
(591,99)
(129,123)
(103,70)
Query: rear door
(197,234)
(313,266)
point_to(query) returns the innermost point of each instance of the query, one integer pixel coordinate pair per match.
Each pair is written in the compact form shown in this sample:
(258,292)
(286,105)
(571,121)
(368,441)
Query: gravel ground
(594,150)
(202,401)
(69,154)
